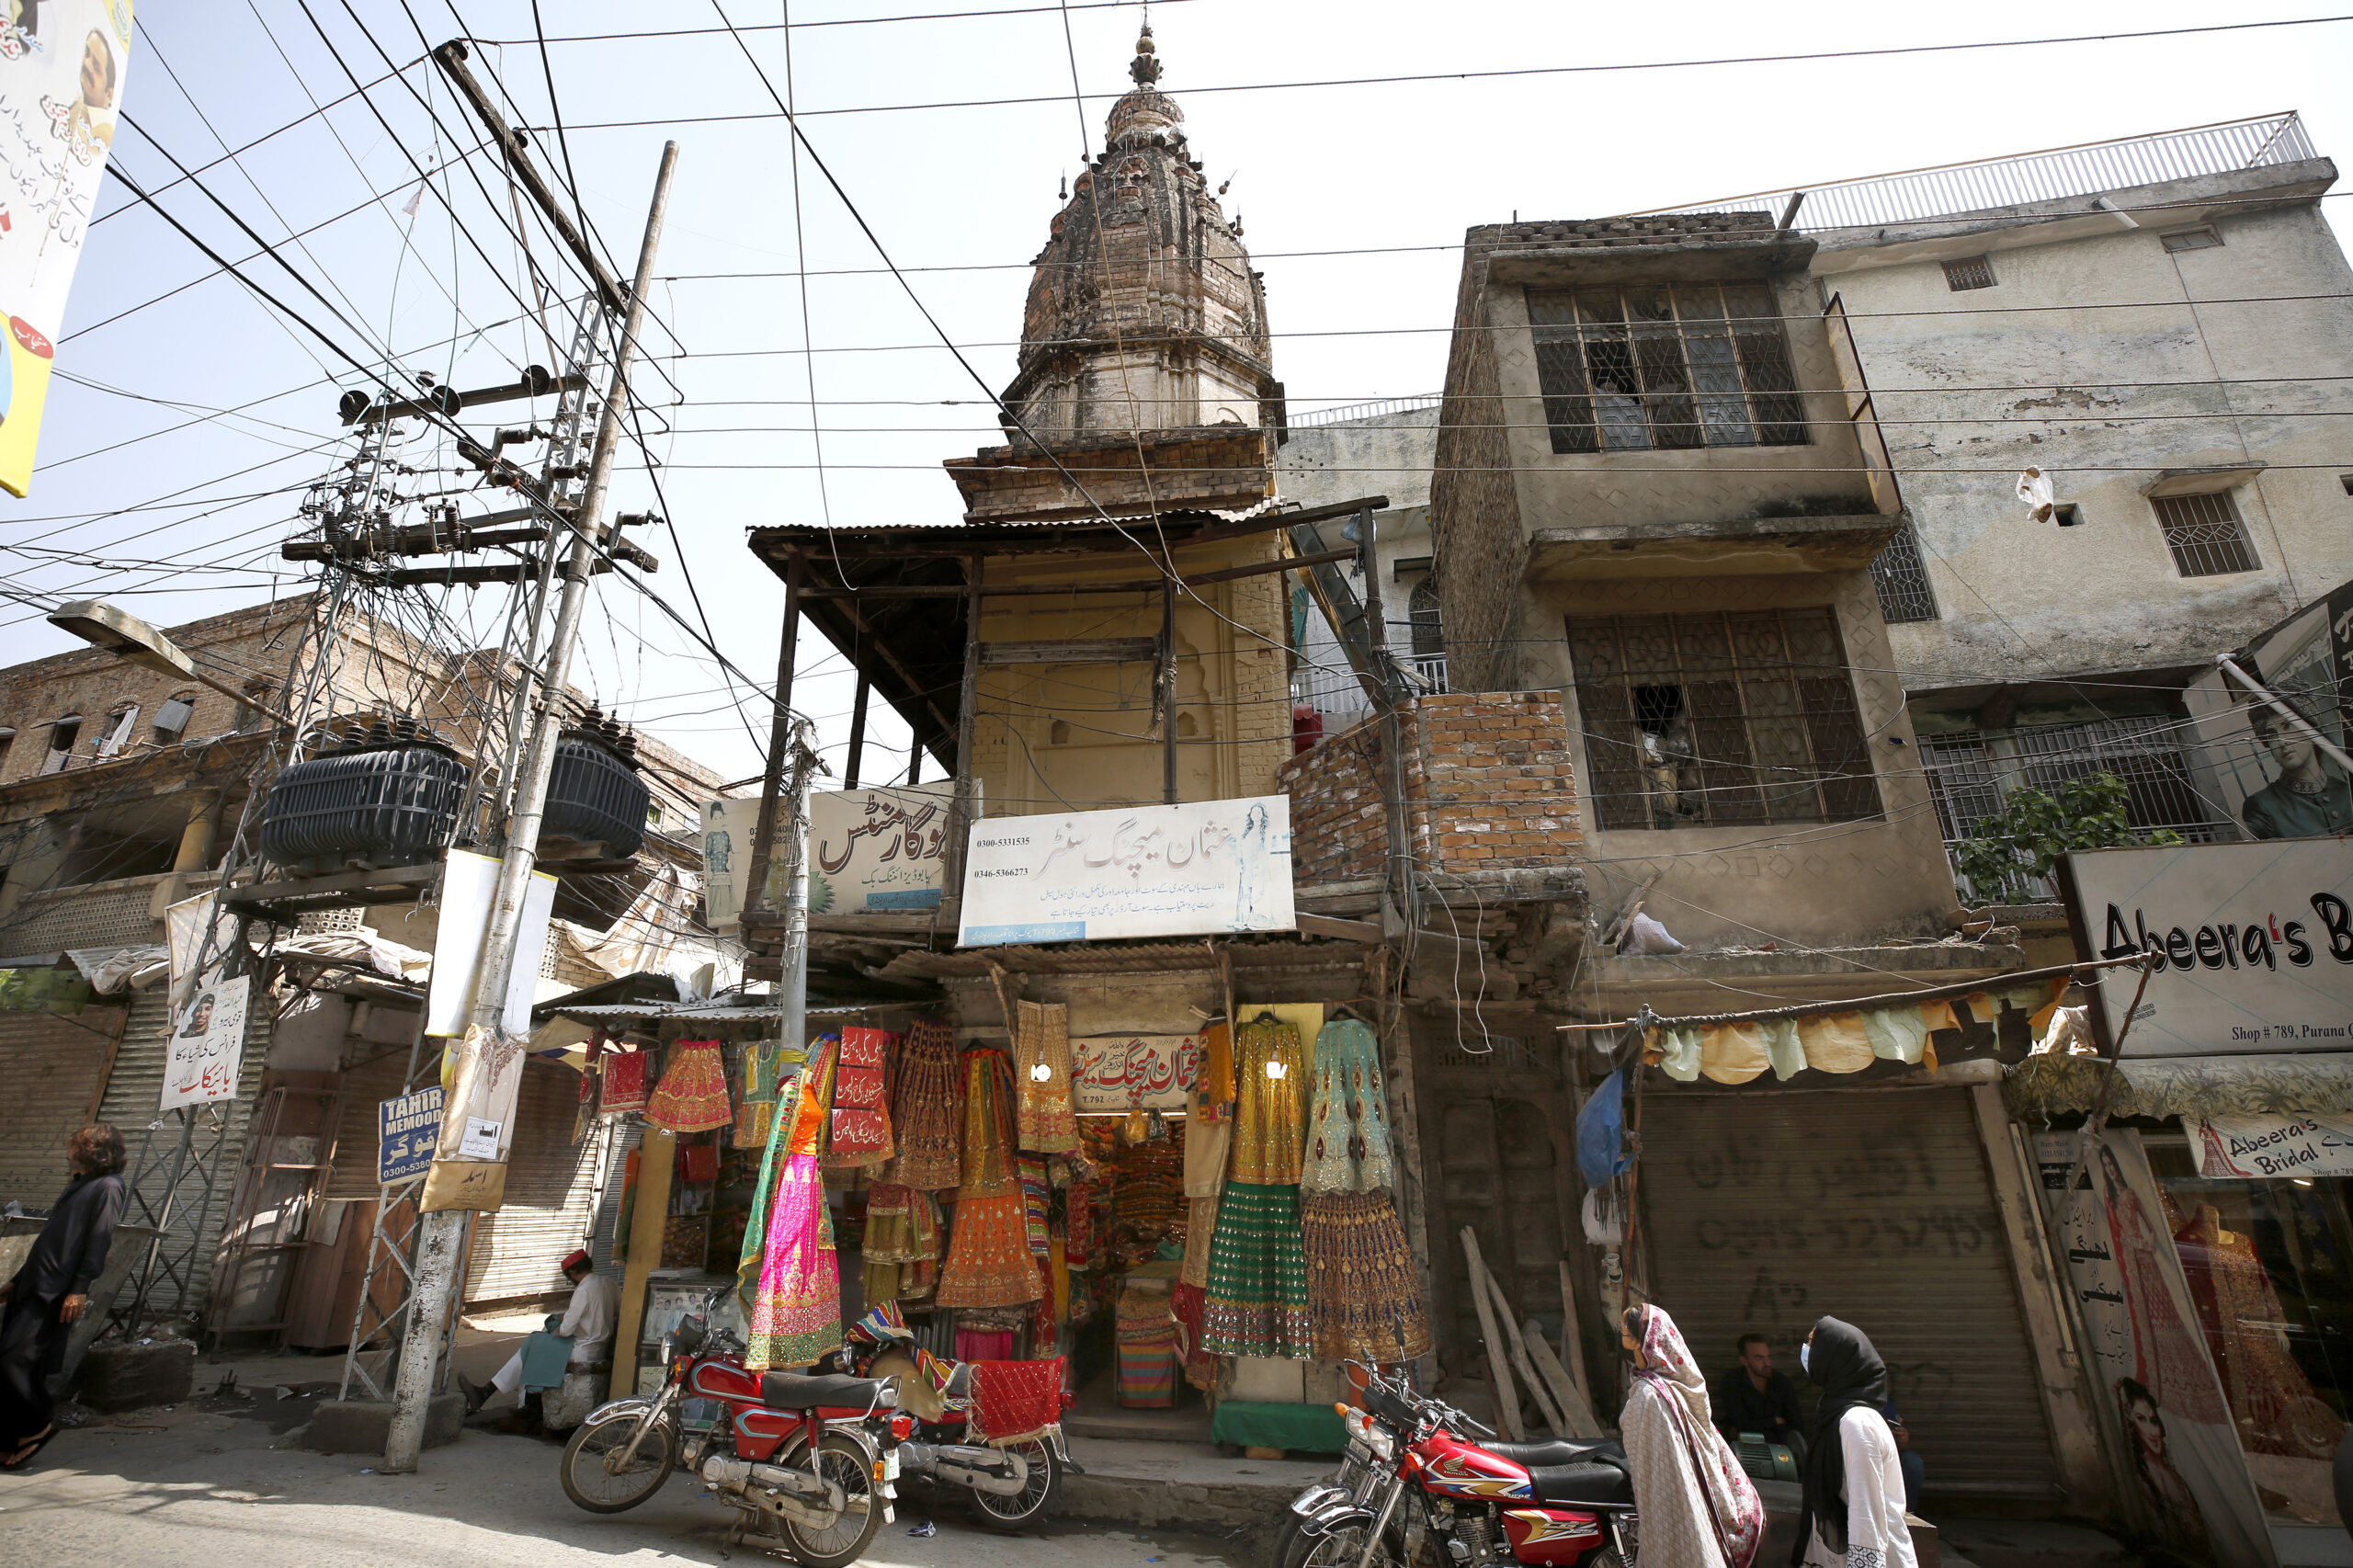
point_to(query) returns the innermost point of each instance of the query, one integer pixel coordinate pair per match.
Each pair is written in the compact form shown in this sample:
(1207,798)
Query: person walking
(1698,1510)
(1853,1514)
(47,1296)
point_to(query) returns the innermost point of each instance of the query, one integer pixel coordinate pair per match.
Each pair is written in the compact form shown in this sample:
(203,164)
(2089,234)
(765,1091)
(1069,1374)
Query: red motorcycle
(810,1463)
(1413,1489)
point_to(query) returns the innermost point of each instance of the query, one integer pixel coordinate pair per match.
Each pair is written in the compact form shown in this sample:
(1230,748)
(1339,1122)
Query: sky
(1352,198)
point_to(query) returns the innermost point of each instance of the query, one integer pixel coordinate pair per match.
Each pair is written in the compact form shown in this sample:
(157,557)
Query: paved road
(202,1485)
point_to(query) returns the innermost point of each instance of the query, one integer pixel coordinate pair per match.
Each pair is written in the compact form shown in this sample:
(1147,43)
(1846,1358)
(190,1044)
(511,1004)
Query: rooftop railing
(1365,410)
(2086,169)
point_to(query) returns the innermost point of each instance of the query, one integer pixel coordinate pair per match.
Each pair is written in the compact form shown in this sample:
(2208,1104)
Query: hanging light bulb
(1040,1071)
(1276,1069)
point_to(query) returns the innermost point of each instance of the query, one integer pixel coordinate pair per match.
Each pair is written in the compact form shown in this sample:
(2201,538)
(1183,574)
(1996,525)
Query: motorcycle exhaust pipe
(743,1475)
(997,1472)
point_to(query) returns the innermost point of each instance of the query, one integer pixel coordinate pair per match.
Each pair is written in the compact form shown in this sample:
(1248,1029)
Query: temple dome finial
(1146,66)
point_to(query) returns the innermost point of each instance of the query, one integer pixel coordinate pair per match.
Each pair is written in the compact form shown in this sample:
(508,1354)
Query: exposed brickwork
(1489,780)
(1655,229)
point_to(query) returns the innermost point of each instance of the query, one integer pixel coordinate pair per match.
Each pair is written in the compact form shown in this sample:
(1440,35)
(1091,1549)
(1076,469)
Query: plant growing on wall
(2033,828)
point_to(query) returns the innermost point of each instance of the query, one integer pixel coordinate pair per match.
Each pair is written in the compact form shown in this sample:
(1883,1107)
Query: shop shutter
(135,1088)
(1765,1211)
(366,1085)
(550,1193)
(49,1065)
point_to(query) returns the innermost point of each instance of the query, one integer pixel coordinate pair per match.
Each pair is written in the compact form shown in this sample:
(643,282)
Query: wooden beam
(1369,932)
(752,893)
(1499,1384)
(1027,590)
(1074,651)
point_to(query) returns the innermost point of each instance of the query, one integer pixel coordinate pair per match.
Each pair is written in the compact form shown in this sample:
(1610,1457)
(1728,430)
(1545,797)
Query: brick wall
(1489,777)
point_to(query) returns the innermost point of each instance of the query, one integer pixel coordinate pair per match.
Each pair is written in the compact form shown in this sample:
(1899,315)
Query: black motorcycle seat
(1596,1482)
(1557,1451)
(797,1390)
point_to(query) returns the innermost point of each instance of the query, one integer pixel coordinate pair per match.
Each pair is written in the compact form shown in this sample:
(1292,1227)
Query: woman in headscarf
(1698,1507)
(1853,1474)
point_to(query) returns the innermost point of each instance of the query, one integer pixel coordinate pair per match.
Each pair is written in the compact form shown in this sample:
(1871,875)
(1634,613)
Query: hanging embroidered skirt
(624,1087)
(889,1225)
(1366,1295)
(928,1110)
(797,1316)
(989,1261)
(1048,1120)
(693,1094)
(1257,1289)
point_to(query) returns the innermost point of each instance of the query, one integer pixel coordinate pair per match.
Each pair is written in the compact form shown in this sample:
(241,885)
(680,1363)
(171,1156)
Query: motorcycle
(1012,1486)
(810,1463)
(1413,1489)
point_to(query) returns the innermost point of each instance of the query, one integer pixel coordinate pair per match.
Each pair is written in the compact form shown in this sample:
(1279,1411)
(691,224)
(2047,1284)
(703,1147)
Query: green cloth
(1300,1428)
(755,1230)
(545,1356)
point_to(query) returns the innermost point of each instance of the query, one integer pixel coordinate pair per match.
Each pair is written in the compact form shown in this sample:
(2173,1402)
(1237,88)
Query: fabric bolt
(1257,1277)
(1897,1034)
(1733,1053)
(624,1075)
(1015,1401)
(1213,1089)
(1049,1119)
(1365,1298)
(692,1095)
(1347,1121)
(1699,1508)
(1208,1146)
(1835,1042)
(1200,1230)
(1037,1201)
(928,1107)
(1270,1108)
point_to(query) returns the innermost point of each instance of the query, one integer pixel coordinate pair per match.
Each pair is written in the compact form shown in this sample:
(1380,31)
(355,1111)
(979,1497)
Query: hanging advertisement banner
(2144,1340)
(729,828)
(200,1063)
(1205,868)
(406,1130)
(481,1079)
(2259,768)
(2271,1147)
(1119,1071)
(62,69)
(878,848)
(2251,945)
(469,883)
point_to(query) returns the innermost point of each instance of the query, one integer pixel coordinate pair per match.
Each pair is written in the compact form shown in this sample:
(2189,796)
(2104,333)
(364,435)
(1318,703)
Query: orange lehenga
(989,1261)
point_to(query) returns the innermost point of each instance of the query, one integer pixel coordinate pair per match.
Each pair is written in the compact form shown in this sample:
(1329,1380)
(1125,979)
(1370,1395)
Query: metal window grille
(1664,367)
(1969,272)
(1968,779)
(1902,577)
(1720,719)
(2205,534)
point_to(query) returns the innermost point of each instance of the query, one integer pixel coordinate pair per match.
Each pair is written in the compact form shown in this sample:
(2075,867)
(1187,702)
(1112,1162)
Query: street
(202,1483)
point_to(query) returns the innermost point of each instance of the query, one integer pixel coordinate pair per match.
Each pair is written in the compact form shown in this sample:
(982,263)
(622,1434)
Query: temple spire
(1146,66)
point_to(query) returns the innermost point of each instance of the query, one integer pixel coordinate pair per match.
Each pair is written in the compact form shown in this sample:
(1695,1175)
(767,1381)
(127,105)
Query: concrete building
(122,791)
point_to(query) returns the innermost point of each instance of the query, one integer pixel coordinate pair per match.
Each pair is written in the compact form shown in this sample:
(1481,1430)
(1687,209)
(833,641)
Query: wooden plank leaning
(1499,1384)
(1576,1409)
(1523,1367)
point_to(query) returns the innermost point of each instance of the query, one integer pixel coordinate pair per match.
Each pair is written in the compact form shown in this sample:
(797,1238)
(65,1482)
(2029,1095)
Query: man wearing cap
(585,1331)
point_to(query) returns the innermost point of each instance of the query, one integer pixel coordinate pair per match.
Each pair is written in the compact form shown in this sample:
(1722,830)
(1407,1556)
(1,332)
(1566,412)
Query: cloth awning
(2183,1085)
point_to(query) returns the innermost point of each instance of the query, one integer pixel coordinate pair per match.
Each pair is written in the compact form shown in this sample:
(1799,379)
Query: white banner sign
(1199,869)
(201,1062)
(878,849)
(1119,1072)
(2252,944)
(468,885)
(2263,1148)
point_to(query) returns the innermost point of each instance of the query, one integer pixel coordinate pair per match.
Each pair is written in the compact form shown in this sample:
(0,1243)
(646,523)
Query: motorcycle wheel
(1003,1511)
(592,1486)
(1333,1549)
(842,1462)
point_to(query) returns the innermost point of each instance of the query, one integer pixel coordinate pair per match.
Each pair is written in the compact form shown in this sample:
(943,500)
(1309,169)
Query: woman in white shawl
(1698,1507)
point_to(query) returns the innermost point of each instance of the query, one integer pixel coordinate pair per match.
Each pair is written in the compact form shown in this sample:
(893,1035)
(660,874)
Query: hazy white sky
(1399,170)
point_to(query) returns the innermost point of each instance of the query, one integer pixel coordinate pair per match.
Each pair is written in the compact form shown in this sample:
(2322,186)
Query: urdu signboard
(1199,869)
(2251,943)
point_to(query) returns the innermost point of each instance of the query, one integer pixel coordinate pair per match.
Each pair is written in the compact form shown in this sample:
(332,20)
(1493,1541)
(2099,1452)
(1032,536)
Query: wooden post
(960,822)
(857,726)
(655,1157)
(1499,1384)
(755,885)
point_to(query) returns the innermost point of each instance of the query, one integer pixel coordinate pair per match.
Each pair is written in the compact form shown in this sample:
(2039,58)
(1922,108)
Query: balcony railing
(1347,412)
(2086,169)
(1333,690)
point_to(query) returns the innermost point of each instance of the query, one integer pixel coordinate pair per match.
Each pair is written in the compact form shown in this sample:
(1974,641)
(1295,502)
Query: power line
(838,22)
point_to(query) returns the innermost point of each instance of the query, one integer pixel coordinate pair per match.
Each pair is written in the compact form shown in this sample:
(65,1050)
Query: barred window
(1969,272)
(1667,368)
(2205,534)
(1720,719)
(1902,578)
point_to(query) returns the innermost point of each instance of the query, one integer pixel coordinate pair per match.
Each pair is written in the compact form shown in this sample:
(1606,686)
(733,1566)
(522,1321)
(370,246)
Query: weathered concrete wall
(2146,371)
(1388,454)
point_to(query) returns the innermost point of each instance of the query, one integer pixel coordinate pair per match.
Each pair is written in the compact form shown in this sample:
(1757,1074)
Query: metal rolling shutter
(1766,1211)
(550,1193)
(364,1085)
(133,1091)
(52,1062)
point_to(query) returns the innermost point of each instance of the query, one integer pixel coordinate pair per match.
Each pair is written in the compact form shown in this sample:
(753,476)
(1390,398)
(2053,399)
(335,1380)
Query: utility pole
(437,1254)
